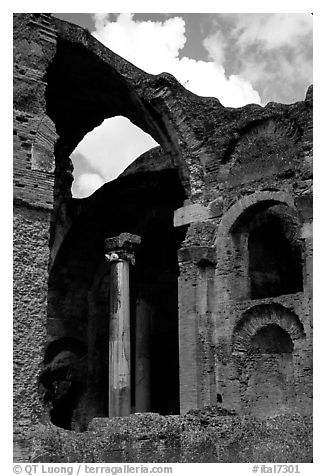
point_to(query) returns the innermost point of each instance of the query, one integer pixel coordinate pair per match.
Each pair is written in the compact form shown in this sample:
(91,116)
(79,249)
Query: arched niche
(267,345)
(259,247)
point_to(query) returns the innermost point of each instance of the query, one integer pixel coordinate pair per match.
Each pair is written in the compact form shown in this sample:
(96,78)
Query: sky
(240,58)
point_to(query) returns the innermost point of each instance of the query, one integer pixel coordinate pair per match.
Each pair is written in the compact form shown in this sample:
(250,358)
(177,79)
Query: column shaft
(119,340)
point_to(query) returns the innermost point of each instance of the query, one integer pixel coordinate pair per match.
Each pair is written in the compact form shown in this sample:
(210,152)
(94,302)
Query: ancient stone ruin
(183,288)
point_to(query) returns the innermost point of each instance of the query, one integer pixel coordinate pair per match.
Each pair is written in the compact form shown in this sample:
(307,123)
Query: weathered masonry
(184,283)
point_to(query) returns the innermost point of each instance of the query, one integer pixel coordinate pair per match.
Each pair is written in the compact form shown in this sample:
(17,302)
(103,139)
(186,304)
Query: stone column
(119,253)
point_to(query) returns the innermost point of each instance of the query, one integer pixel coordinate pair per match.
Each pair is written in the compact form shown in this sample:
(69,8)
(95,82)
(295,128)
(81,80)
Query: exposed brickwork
(33,160)
(34,132)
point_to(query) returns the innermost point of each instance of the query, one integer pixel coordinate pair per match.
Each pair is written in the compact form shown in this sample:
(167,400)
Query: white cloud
(86,184)
(272,51)
(112,146)
(155,46)
(215,45)
(100,20)
(208,79)
(147,44)
(274,29)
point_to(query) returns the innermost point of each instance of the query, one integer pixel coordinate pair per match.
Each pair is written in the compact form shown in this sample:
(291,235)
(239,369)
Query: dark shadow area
(273,269)
(272,339)
(157,281)
(79,291)
(62,381)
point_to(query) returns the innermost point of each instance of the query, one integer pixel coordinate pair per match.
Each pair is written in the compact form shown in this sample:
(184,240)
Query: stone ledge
(195,212)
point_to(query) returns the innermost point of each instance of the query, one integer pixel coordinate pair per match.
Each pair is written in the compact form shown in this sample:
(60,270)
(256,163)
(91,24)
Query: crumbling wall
(34,138)
(206,436)
(260,176)
(214,294)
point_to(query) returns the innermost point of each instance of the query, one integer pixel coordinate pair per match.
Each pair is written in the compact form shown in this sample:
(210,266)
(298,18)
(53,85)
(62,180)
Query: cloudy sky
(239,58)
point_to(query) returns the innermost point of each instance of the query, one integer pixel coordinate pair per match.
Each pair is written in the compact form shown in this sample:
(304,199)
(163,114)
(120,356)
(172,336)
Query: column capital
(121,247)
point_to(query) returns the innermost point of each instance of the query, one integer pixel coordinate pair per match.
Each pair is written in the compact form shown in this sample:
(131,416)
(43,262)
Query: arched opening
(273,268)
(105,152)
(86,85)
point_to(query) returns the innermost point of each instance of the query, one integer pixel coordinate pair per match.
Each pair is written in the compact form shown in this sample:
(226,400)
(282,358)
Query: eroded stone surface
(207,436)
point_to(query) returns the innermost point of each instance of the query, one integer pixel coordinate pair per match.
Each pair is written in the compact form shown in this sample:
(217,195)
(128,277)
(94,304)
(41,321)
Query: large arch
(87,83)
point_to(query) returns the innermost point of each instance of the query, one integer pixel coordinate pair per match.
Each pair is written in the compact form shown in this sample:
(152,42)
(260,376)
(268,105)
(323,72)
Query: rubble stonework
(221,287)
